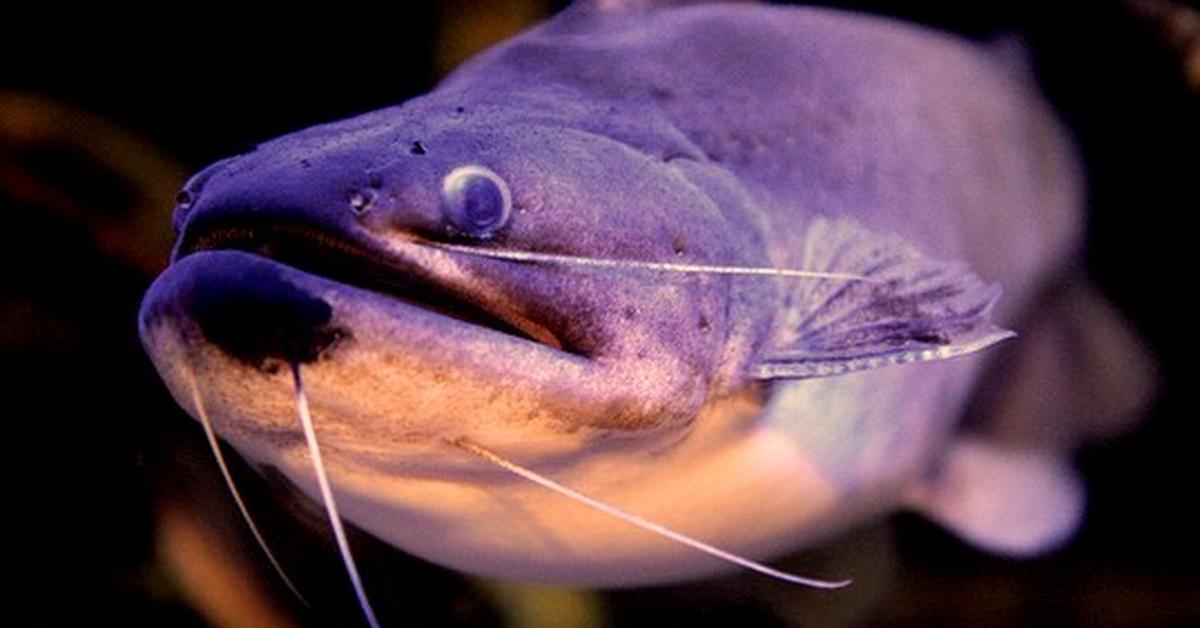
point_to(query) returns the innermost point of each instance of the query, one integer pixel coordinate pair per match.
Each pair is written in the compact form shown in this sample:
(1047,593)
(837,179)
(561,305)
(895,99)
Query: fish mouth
(360,263)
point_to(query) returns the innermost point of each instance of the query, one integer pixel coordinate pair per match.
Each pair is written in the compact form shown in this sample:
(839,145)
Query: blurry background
(116,511)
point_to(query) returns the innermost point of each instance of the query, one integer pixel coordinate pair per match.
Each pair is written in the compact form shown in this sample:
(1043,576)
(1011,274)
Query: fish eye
(476,200)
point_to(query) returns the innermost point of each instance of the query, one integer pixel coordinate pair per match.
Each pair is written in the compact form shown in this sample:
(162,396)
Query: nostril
(361,201)
(183,206)
(189,196)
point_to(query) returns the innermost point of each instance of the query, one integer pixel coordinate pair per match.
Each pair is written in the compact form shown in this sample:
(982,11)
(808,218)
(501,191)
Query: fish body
(759,413)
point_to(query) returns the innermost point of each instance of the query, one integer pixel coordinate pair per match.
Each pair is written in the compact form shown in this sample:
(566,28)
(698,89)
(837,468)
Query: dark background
(106,468)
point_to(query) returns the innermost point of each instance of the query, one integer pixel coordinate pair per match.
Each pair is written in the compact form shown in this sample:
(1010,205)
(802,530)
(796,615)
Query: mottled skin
(709,134)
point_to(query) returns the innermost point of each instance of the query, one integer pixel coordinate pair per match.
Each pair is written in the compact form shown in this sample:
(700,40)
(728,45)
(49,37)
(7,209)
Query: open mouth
(313,251)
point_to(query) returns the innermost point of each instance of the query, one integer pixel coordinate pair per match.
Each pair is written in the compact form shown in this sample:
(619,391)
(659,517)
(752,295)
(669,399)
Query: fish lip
(380,270)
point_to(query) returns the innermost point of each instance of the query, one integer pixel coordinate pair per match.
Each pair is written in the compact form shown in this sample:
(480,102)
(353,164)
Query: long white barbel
(198,402)
(636,520)
(331,509)
(629,264)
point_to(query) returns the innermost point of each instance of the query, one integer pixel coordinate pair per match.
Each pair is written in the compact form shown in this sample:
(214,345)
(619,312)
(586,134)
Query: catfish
(657,282)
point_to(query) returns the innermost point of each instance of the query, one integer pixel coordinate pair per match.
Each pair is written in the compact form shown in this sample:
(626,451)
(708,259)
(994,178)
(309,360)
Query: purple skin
(713,134)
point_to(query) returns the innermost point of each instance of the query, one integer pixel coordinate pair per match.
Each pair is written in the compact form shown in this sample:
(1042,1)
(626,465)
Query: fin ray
(909,308)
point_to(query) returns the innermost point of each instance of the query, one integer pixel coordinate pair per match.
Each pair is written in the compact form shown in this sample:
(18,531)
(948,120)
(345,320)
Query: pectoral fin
(1008,501)
(907,307)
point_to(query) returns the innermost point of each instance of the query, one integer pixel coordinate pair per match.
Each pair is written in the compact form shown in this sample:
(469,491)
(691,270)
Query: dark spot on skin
(184,199)
(460,110)
(703,324)
(304,163)
(259,319)
(678,245)
(417,148)
(661,93)
(629,312)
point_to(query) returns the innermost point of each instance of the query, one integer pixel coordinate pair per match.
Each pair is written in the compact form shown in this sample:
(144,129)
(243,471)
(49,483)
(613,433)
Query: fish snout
(189,195)
(314,178)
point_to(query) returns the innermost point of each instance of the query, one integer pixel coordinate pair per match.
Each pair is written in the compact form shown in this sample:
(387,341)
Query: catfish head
(322,249)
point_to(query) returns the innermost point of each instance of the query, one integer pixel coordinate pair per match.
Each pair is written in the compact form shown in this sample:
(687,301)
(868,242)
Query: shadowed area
(253,314)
